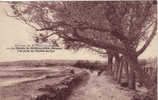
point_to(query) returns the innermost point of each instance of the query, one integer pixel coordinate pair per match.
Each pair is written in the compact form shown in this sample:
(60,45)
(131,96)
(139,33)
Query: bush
(90,65)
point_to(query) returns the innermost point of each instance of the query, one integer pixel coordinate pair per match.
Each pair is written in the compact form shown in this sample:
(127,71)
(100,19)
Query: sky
(14,32)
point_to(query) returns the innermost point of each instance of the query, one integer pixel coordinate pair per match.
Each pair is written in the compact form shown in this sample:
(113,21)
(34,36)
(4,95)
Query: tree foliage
(106,25)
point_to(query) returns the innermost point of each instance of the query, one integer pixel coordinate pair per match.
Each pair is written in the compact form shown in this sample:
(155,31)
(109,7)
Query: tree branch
(98,51)
(81,27)
(148,41)
(86,40)
(9,14)
(99,44)
(119,36)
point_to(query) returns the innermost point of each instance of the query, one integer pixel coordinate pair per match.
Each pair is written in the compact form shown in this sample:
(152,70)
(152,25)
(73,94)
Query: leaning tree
(118,27)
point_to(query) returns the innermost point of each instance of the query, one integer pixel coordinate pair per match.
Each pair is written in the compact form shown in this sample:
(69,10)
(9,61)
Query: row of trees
(114,28)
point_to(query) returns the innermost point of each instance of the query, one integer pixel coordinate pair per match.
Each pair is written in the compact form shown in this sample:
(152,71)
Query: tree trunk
(110,58)
(116,70)
(120,72)
(134,66)
(126,71)
(131,81)
(117,65)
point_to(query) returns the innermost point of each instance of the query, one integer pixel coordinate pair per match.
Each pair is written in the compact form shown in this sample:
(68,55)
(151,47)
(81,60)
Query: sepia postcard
(78,50)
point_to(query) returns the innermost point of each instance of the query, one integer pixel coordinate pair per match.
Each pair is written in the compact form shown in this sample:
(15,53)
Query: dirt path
(99,88)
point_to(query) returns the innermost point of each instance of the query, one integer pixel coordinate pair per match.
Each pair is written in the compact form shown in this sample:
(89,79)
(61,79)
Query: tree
(115,26)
